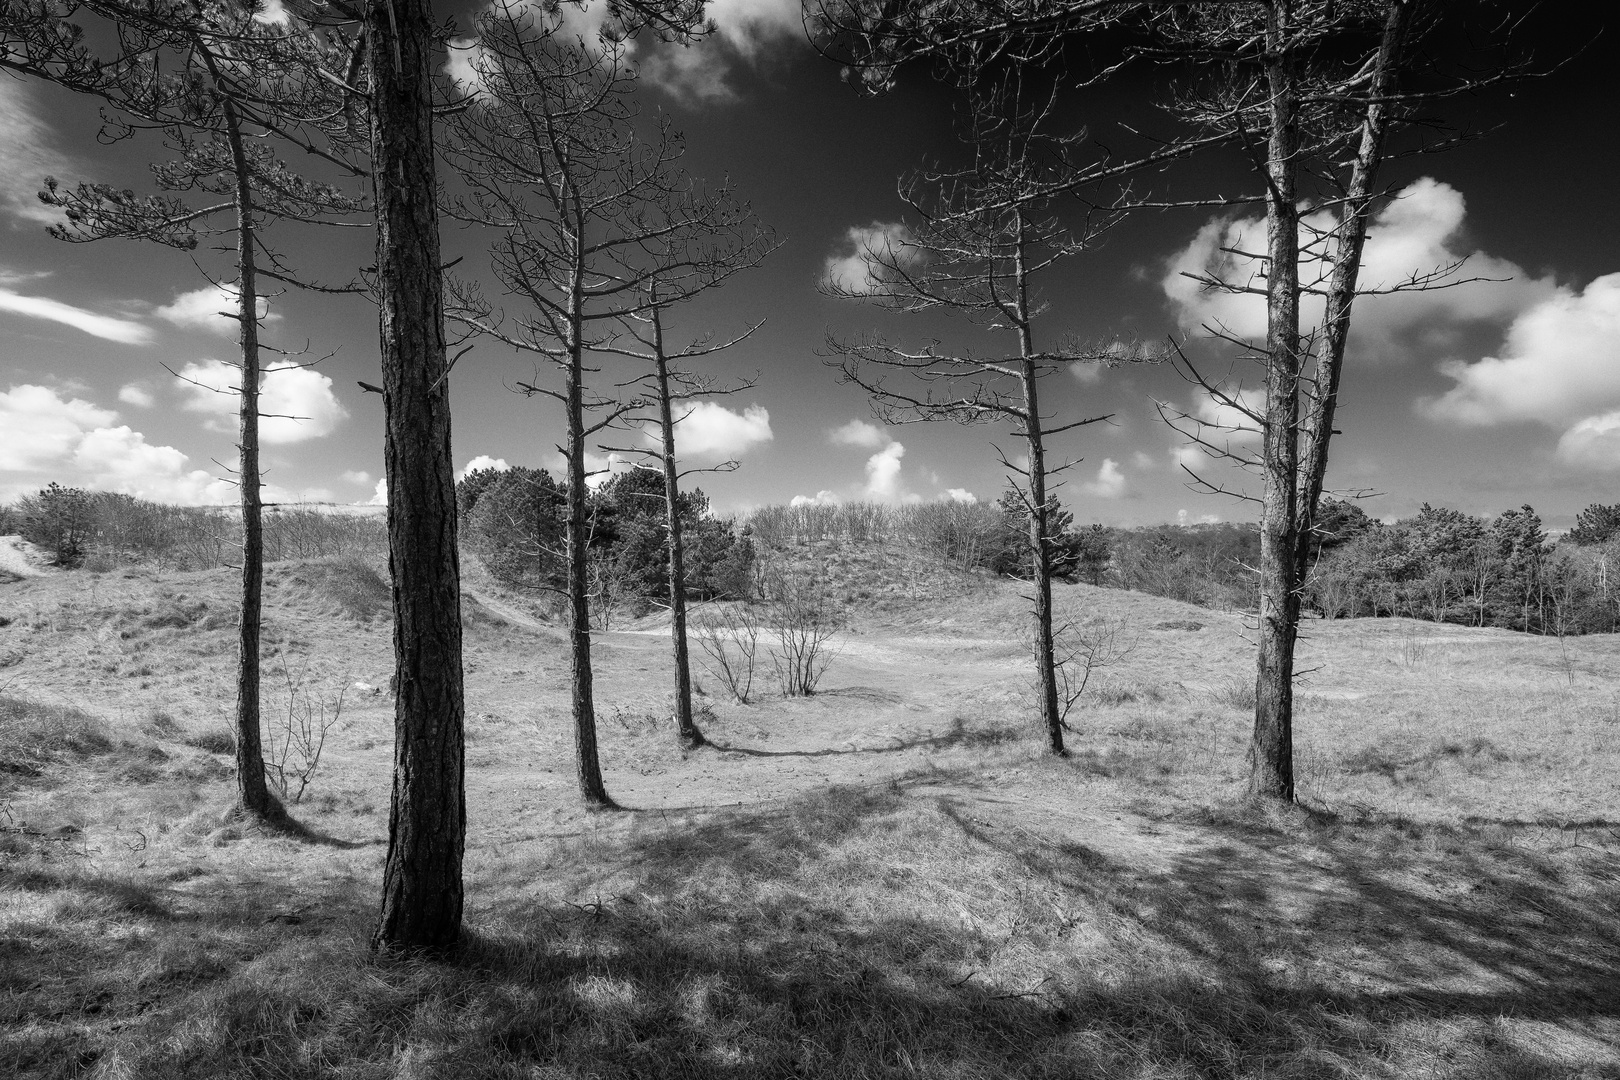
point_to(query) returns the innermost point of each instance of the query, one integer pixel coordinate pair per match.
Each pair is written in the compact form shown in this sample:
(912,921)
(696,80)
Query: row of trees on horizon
(596,234)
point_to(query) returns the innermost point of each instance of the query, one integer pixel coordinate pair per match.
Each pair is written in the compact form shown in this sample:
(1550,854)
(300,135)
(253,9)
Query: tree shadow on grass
(798,941)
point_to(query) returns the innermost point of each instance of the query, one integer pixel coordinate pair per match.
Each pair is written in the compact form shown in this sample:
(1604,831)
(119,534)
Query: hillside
(885,879)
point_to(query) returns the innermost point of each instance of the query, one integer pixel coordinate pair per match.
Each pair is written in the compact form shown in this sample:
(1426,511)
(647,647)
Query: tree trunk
(1041,555)
(252,794)
(586,759)
(422,887)
(1271,752)
(686,728)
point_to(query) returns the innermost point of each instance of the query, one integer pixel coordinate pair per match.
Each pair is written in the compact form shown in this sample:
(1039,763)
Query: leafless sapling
(983,239)
(597,227)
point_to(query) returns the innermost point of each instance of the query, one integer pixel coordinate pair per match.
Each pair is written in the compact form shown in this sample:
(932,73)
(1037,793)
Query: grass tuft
(34,735)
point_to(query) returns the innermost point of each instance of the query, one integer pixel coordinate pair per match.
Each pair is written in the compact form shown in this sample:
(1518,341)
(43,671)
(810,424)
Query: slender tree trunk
(422,887)
(1352,239)
(586,758)
(1039,523)
(685,726)
(252,794)
(1271,752)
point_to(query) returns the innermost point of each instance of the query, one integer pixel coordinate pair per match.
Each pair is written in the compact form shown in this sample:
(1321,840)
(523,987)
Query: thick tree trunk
(422,888)
(685,727)
(586,759)
(252,794)
(1271,752)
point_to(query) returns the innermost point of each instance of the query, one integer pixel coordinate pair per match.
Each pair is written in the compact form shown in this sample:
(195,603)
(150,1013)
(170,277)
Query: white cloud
(857,267)
(961,495)
(709,429)
(482,461)
(211,308)
(125,331)
(1110,482)
(1560,362)
(743,31)
(1416,233)
(1184,518)
(1143,461)
(859,433)
(73,441)
(820,498)
(29,157)
(136,395)
(357,476)
(379,494)
(1593,442)
(38,428)
(883,473)
(298,402)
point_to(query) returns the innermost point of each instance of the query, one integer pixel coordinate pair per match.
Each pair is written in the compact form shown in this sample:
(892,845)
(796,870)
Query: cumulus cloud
(1417,233)
(211,308)
(859,433)
(744,30)
(961,495)
(40,428)
(357,476)
(883,473)
(857,267)
(298,402)
(107,327)
(1110,481)
(709,429)
(49,437)
(1559,361)
(136,395)
(379,494)
(482,461)
(1559,366)
(1184,518)
(820,498)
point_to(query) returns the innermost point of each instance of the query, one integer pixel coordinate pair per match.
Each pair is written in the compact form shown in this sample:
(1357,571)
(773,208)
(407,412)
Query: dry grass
(884,880)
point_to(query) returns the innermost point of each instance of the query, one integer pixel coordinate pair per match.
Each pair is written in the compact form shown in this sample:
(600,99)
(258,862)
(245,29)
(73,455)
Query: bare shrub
(805,619)
(729,638)
(1082,651)
(297,734)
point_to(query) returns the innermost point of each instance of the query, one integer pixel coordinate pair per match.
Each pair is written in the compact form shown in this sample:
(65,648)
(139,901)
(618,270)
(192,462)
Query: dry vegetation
(884,879)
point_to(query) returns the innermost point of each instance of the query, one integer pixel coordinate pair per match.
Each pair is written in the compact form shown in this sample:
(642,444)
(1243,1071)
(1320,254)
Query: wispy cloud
(29,157)
(126,331)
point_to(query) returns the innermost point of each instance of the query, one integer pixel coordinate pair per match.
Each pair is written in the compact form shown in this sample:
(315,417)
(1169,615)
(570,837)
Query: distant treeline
(101,530)
(1441,565)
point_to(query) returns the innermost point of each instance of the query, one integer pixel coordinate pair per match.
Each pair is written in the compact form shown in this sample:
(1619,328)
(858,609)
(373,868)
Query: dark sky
(1482,397)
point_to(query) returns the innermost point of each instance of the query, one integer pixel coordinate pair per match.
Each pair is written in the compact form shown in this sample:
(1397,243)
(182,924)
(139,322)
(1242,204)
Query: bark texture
(685,726)
(586,758)
(422,887)
(1271,751)
(252,794)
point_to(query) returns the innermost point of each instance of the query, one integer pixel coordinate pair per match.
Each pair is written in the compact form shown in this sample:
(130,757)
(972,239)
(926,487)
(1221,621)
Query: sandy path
(14,557)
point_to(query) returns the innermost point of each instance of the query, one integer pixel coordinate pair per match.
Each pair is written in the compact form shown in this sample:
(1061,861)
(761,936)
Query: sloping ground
(20,559)
(885,879)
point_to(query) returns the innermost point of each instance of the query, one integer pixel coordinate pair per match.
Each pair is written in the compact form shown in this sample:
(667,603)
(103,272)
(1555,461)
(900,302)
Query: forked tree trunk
(686,727)
(252,794)
(1271,752)
(422,887)
(586,759)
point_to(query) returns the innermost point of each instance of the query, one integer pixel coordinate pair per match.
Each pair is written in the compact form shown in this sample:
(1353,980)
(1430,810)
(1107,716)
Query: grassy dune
(885,880)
